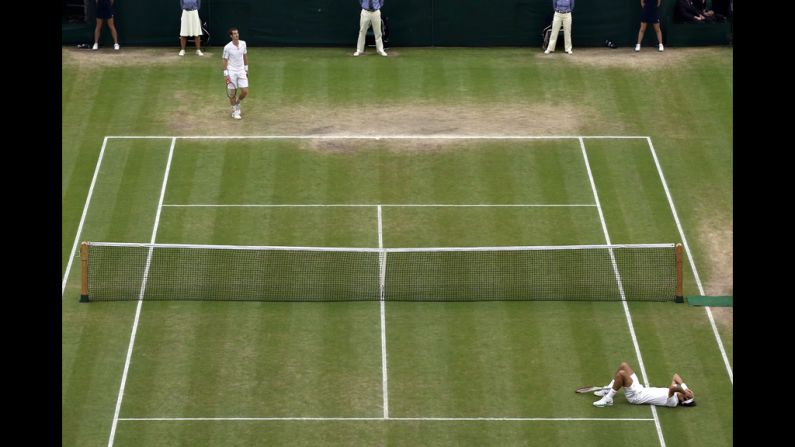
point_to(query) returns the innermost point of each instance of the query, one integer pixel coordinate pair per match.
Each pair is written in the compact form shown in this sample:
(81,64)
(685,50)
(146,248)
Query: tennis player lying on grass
(676,394)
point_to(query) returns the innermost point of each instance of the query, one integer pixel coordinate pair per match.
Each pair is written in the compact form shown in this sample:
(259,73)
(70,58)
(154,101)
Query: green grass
(495,359)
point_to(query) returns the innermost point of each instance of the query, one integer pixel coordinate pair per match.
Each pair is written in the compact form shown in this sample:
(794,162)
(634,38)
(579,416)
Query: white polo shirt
(234,55)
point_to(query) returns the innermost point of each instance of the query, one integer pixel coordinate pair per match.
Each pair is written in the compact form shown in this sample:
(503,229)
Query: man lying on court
(676,394)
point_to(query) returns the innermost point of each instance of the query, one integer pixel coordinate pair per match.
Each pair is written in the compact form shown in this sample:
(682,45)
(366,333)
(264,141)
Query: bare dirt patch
(724,317)
(720,252)
(626,57)
(107,57)
(400,119)
(389,145)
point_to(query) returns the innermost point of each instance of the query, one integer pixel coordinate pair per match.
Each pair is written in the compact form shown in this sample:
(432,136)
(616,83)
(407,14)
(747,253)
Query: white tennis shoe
(602,392)
(603,402)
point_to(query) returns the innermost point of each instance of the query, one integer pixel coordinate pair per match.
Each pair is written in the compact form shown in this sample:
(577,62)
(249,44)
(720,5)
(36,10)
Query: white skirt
(191,25)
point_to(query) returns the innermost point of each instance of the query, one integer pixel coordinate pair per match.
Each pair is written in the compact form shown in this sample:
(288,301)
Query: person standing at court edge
(370,16)
(190,25)
(563,9)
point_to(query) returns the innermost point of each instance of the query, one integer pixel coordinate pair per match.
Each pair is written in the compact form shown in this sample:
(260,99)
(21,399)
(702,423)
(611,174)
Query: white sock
(610,385)
(610,393)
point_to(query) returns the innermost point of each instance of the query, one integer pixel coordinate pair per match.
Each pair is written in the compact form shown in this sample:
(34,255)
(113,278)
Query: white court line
(381,278)
(486,419)
(692,262)
(621,289)
(391,205)
(141,298)
(384,137)
(83,216)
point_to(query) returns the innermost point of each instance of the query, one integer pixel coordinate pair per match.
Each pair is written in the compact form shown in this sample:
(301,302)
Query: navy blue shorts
(104,10)
(650,14)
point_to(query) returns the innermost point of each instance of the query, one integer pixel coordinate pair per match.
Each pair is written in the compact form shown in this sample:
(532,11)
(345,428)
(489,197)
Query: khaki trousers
(565,19)
(367,19)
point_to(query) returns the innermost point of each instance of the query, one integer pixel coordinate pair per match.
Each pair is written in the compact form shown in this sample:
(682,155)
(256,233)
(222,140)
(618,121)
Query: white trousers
(565,19)
(367,19)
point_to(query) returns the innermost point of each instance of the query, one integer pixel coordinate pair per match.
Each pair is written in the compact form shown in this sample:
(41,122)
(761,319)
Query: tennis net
(129,271)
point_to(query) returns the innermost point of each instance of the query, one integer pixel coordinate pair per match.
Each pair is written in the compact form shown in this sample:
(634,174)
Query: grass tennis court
(397,373)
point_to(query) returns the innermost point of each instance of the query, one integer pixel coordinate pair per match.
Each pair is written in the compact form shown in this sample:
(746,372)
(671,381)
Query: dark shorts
(104,10)
(650,14)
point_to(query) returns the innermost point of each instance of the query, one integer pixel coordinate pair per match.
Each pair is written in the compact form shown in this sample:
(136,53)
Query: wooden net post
(84,272)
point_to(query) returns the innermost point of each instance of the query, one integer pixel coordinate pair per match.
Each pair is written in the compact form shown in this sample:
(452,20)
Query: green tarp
(712,301)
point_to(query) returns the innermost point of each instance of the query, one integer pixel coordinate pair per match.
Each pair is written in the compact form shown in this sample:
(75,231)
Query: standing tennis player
(676,394)
(236,71)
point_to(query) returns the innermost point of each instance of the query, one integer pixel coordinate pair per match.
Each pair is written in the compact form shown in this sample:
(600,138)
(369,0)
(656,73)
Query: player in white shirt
(236,71)
(675,395)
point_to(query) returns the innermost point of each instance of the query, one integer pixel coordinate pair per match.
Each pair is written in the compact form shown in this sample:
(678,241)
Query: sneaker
(181,52)
(602,392)
(199,53)
(603,402)
(116,46)
(637,47)
(95,47)
(358,53)
(568,51)
(546,51)
(382,53)
(237,116)
(661,48)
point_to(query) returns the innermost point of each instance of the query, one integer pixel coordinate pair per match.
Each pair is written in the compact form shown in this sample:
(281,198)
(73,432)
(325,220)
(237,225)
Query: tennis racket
(589,389)
(230,92)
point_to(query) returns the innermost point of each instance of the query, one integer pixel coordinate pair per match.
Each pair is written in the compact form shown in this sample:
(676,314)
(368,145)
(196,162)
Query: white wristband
(226,72)
(684,386)
(246,68)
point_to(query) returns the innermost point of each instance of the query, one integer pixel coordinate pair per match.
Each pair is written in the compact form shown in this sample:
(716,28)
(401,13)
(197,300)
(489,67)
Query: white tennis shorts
(239,79)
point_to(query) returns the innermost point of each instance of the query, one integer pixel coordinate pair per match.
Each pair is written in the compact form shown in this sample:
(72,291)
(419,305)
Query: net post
(84,272)
(679,298)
